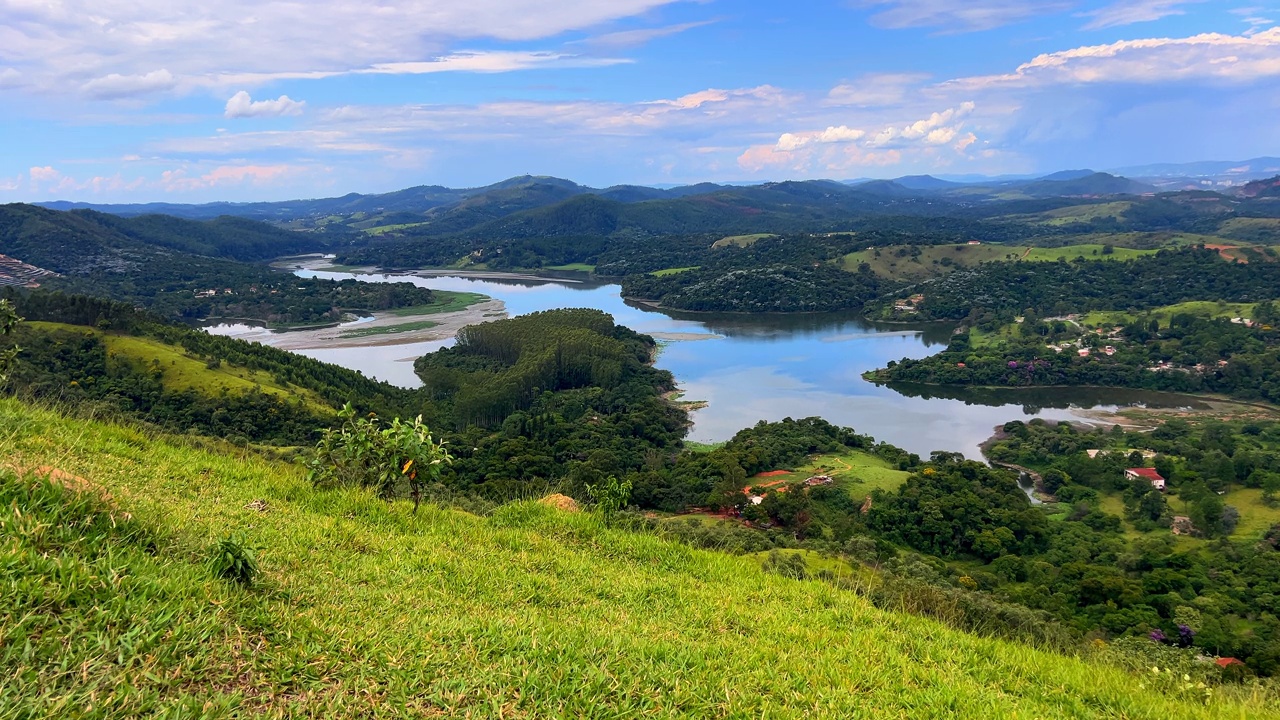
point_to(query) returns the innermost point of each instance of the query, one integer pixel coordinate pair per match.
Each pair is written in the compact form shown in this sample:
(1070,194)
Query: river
(763,367)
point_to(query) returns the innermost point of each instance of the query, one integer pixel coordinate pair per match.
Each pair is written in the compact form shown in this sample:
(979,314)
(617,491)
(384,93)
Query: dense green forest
(185,269)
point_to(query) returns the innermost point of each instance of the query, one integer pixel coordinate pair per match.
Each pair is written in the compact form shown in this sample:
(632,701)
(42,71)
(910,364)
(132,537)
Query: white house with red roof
(1148,474)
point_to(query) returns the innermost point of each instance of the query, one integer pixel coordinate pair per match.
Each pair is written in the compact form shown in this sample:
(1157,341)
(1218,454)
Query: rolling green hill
(182,370)
(363,609)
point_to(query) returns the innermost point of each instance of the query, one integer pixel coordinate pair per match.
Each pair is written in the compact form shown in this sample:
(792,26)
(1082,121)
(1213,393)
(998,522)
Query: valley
(703,380)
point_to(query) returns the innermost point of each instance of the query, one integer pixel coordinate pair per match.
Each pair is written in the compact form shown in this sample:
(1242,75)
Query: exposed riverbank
(402,326)
(390,328)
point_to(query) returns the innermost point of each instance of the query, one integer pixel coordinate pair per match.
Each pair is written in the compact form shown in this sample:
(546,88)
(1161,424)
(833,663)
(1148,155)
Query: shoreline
(446,326)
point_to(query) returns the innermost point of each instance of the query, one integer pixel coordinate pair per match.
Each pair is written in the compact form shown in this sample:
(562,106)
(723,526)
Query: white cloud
(630,38)
(112,49)
(840,148)
(842,134)
(875,90)
(1207,57)
(116,86)
(937,129)
(241,105)
(1128,12)
(959,15)
(488,62)
(180,181)
(9,77)
(44,174)
(1254,17)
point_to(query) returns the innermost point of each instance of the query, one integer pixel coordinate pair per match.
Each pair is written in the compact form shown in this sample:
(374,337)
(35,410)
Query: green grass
(935,260)
(445,302)
(740,240)
(573,267)
(1259,230)
(388,329)
(1077,214)
(384,229)
(860,472)
(1199,308)
(365,610)
(1255,516)
(1088,252)
(673,271)
(981,338)
(180,371)
(815,562)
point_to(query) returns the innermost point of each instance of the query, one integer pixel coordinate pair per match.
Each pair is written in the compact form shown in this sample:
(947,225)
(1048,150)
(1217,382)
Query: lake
(763,367)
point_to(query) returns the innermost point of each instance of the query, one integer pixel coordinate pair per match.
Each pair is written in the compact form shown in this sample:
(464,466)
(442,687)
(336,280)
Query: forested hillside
(184,269)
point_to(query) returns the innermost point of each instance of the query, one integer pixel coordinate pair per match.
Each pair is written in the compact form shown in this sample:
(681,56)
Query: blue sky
(164,100)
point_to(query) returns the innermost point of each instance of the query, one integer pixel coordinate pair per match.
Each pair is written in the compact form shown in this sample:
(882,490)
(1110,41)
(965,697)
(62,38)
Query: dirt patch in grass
(560,502)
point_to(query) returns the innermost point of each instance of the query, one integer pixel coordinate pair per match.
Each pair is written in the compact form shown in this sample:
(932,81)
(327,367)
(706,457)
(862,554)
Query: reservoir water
(763,367)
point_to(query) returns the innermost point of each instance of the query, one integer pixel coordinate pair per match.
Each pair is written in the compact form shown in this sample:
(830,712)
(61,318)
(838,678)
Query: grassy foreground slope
(365,610)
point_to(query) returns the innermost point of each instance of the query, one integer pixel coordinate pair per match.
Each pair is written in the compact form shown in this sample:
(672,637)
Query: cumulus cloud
(1128,12)
(116,86)
(47,179)
(794,141)
(841,147)
(937,129)
(958,15)
(112,50)
(44,174)
(1206,57)
(242,105)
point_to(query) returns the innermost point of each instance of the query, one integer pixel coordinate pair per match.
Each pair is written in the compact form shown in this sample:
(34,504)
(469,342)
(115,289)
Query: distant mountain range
(455,210)
(540,205)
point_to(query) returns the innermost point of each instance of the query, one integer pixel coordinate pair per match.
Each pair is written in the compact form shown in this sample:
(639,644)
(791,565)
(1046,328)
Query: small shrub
(789,565)
(362,452)
(610,496)
(8,321)
(230,559)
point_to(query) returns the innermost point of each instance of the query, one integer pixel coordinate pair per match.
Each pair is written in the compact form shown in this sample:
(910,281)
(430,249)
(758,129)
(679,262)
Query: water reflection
(762,367)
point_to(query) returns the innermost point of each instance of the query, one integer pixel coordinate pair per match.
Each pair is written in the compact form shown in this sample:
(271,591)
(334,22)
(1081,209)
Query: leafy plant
(8,321)
(363,453)
(230,559)
(610,496)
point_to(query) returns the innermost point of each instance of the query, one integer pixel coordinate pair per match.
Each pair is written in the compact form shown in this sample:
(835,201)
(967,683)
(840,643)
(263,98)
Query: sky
(177,101)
